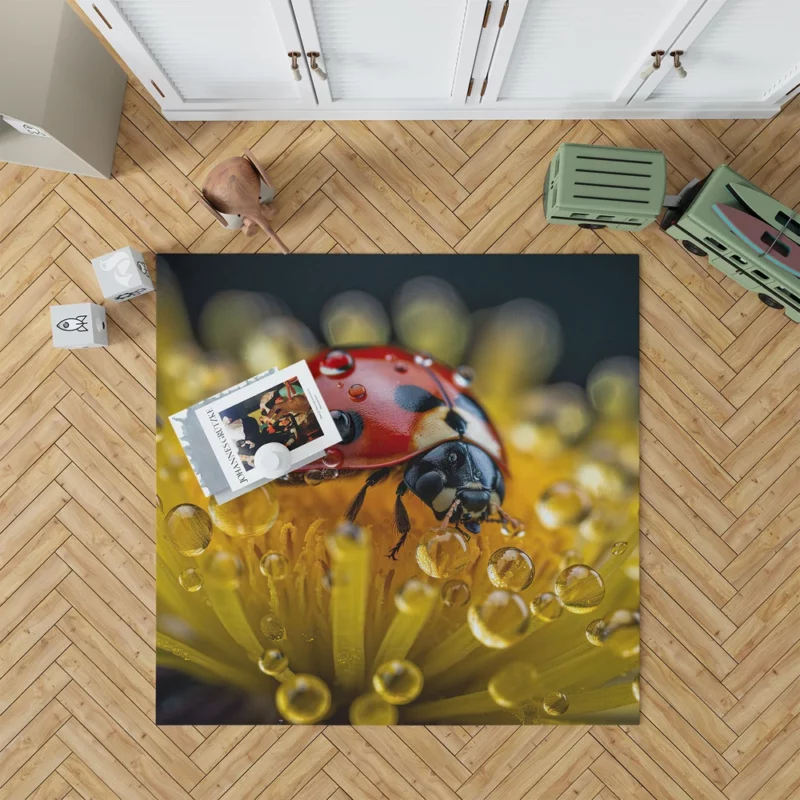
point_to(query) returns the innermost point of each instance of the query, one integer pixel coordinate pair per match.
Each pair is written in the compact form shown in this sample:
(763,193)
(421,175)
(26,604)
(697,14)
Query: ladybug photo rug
(459,542)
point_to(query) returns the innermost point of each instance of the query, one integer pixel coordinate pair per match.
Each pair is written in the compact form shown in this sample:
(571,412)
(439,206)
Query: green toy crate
(697,226)
(605,187)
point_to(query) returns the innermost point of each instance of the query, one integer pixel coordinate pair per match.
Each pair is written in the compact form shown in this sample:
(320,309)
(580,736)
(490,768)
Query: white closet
(361,59)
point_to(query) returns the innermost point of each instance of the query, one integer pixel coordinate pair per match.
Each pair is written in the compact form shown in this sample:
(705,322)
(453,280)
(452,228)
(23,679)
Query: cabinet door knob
(657,56)
(676,60)
(313,56)
(294,55)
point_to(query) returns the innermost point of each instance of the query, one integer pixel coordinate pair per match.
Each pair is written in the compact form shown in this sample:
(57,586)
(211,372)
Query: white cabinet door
(746,51)
(196,54)
(577,53)
(390,54)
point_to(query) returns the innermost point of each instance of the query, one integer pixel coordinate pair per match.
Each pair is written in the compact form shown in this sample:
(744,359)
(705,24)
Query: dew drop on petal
(444,552)
(273,661)
(635,689)
(250,514)
(274,565)
(562,504)
(555,703)
(337,363)
(423,359)
(595,631)
(618,631)
(619,548)
(546,607)
(313,477)
(514,685)
(303,699)
(333,458)
(510,568)
(272,628)
(500,620)
(463,376)
(372,709)
(191,580)
(357,392)
(398,681)
(414,597)
(188,529)
(580,589)
(455,594)
(602,479)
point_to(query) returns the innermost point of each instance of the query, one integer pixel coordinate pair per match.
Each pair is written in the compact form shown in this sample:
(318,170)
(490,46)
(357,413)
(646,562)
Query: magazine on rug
(222,435)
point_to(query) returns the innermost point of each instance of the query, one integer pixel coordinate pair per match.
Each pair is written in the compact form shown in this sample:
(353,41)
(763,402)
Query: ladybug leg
(373,480)
(450,512)
(401,520)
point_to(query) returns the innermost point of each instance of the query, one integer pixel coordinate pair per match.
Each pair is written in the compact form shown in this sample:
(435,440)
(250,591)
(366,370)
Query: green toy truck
(743,232)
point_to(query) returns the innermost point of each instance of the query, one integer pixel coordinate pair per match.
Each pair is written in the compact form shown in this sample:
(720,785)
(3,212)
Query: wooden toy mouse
(233,193)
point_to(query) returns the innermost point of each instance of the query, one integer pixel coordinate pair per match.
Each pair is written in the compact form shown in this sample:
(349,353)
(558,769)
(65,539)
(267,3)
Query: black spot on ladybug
(349,424)
(416,399)
(456,422)
(468,404)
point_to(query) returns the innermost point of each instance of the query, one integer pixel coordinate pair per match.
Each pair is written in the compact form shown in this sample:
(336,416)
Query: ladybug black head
(457,471)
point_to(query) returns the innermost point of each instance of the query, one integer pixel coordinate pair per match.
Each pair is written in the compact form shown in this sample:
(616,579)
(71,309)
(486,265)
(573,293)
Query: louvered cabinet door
(390,54)
(553,54)
(197,54)
(745,51)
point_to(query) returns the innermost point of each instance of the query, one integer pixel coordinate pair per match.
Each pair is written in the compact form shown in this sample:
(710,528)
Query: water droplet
(372,709)
(443,553)
(414,596)
(613,388)
(499,621)
(274,565)
(512,530)
(357,392)
(225,570)
(555,704)
(602,479)
(580,589)
(313,477)
(514,685)
(303,699)
(619,548)
(464,376)
(191,580)
(337,363)
(273,661)
(330,474)
(401,366)
(423,359)
(636,689)
(455,594)
(600,525)
(398,682)
(594,632)
(617,631)
(333,458)
(546,607)
(510,568)
(272,628)
(250,514)
(562,504)
(188,529)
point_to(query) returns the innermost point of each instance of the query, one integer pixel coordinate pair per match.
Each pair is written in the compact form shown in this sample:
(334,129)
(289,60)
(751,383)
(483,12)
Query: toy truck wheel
(693,248)
(769,301)
(592,226)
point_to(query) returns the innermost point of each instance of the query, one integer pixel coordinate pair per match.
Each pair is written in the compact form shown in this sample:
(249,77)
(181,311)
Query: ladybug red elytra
(393,407)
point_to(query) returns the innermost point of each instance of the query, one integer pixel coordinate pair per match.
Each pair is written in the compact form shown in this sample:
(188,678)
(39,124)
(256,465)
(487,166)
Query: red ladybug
(393,407)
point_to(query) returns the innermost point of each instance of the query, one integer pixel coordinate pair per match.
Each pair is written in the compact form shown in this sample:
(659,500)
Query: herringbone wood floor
(720,437)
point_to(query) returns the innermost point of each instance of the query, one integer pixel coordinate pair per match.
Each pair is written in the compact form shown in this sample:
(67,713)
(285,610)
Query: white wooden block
(122,274)
(79,325)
